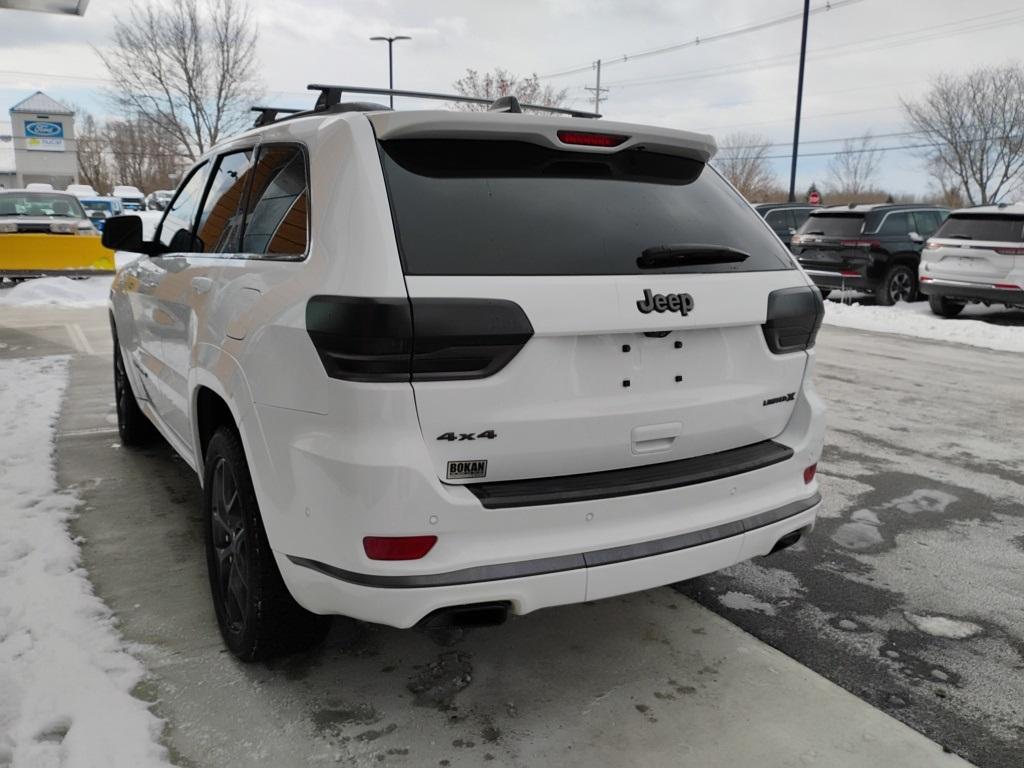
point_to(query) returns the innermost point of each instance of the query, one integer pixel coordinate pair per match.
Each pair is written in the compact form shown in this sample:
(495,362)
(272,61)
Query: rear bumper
(956,290)
(834,281)
(529,586)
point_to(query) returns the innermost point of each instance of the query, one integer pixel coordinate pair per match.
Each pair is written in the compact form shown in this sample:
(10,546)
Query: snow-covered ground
(917,320)
(58,292)
(65,677)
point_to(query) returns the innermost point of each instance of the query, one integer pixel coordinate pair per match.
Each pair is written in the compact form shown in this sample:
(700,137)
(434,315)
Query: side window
(220,223)
(778,219)
(276,218)
(927,222)
(176,227)
(896,224)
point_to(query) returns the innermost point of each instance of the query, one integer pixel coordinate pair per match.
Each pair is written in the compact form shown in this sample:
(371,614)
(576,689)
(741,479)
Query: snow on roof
(40,103)
(1015,209)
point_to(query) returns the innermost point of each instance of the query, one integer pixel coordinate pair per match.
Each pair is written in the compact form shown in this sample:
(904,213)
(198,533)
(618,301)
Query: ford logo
(43,129)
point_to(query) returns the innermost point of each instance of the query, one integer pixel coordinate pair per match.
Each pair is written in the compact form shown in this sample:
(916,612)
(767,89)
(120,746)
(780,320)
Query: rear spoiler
(538,129)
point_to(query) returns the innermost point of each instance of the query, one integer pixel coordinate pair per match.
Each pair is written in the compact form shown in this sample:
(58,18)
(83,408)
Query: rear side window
(780,219)
(896,224)
(800,216)
(220,223)
(1004,229)
(833,224)
(927,222)
(470,207)
(276,222)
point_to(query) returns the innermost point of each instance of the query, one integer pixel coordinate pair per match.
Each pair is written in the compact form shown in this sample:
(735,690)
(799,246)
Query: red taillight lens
(591,139)
(398,547)
(1010,251)
(860,243)
(850,273)
(1007,286)
(809,473)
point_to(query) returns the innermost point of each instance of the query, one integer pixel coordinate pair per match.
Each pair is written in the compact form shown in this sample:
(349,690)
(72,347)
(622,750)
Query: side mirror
(123,233)
(916,238)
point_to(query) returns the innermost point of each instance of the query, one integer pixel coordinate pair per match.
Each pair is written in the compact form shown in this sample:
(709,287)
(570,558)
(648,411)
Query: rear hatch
(580,308)
(833,242)
(977,248)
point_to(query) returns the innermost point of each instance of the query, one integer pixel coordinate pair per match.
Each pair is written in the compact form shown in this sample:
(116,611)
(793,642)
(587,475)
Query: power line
(715,37)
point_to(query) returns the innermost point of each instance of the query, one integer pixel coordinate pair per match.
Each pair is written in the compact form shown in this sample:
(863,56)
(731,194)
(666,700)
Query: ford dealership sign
(46,135)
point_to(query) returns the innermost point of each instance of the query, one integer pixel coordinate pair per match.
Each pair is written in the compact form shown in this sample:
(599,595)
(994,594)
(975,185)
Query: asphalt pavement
(922,535)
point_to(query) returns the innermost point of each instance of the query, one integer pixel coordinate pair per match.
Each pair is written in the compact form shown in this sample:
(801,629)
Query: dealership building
(40,146)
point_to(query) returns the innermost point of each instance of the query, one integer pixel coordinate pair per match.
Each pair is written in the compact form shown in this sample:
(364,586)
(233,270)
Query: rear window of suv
(473,207)
(1003,229)
(833,224)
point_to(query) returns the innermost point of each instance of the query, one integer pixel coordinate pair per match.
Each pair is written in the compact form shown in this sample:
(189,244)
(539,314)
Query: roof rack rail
(331,95)
(267,115)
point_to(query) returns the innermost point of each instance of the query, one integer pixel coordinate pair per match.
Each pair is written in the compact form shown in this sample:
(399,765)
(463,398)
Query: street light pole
(799,103)
(391,63)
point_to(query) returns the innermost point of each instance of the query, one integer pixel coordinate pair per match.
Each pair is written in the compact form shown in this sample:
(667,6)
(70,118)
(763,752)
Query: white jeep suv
(976,256)
(437,363)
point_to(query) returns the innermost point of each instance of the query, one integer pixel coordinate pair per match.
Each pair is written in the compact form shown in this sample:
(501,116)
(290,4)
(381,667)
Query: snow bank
(65,679)
(58,292)
(917,320)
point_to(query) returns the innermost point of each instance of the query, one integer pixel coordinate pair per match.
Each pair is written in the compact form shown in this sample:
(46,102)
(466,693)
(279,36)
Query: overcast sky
(863,56)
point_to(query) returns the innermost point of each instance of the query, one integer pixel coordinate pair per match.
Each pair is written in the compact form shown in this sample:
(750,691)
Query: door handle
(202,284)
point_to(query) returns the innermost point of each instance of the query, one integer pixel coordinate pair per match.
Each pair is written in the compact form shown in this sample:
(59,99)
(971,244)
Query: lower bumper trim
(953,290)
(547,565)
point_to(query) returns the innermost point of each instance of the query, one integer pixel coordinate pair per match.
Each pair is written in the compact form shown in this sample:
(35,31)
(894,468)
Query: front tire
(257,616)
(944,307)
(132,425)
(899,284)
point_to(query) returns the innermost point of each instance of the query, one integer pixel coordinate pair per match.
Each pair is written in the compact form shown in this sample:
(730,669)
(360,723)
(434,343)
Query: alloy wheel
(230,546)
(901,286)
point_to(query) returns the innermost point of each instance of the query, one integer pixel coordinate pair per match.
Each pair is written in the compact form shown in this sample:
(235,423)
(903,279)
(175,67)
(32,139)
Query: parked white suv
(976,256)
(449,363)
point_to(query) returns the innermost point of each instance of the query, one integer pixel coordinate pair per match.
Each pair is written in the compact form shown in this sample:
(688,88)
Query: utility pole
(391,64)
(799,103)
(598,90)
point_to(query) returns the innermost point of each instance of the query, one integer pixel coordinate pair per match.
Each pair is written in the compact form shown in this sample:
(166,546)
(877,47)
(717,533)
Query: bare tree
(743,160)
(854,168)
(142,155)
(93,156)
(975,123)
(187,68)
(501,82)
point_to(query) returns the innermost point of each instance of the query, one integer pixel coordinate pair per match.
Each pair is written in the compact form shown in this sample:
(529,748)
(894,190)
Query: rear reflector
(809,473)
(849,273)
(591,139)
(926,279)
(398,547)
(1007,287)
(861,243)
(365,339)
(1010,251)
(794,317)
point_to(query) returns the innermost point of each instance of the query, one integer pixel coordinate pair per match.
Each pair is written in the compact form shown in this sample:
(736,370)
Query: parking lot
(904,597)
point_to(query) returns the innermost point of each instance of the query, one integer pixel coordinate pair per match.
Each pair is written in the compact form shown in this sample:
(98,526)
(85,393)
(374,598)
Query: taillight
(591,139)
(398,547)
(1010,251)
(365,339)
(1007,286)
(809,473)
(931,245)
(860,243)
(849,273)
(794,317)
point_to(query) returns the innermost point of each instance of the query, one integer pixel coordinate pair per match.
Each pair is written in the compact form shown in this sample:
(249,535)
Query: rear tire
(899,284)
(944,307)
(132,425)
(257,616)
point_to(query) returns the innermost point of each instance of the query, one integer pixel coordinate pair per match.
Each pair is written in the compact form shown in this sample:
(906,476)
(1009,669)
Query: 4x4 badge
(659,302)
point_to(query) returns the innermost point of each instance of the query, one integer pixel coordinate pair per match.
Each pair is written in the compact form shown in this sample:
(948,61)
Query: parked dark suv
(872,248)
(785,218)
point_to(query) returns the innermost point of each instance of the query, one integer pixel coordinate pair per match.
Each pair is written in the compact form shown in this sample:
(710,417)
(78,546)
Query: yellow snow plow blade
(37,254)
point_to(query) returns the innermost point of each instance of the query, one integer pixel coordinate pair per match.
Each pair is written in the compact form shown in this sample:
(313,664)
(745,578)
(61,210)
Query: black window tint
(1004,229)
(469,207)
(833,224)
(276,220)
(220,223)
(896,224)
(800,216)
(779,220)
(176,227)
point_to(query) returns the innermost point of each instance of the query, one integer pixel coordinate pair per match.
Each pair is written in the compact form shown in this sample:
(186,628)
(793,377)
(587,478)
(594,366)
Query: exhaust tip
(467,616)
(787,541)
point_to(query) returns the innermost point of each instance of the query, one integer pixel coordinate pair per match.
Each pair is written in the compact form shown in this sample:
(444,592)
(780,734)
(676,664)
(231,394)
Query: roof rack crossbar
(329,92)
(267,115)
